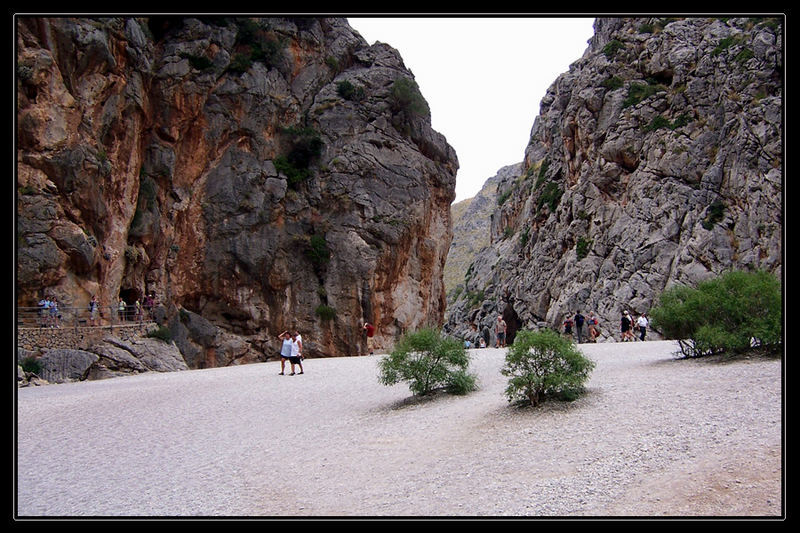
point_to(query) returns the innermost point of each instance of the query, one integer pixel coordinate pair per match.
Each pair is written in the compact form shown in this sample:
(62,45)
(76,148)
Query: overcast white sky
(483,78)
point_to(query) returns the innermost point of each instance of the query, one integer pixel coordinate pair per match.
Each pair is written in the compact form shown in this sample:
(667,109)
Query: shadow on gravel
(412,401)
(720,359)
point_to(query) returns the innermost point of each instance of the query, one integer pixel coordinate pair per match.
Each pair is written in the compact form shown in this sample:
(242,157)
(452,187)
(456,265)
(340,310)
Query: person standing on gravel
(642,323)
(297,351)
(369,331)
(625,327)
(500,331)
(593,331)
(286,351)
(579,319)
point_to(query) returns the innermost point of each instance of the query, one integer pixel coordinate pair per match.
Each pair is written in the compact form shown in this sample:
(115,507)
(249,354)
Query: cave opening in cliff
(513,323)
(130,296)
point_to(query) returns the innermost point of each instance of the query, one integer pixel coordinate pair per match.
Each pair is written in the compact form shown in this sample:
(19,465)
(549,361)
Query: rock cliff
(255,174)
(656,159)
(471,224)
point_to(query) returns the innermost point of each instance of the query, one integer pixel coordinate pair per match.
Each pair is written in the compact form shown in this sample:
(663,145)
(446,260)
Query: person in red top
(370,331)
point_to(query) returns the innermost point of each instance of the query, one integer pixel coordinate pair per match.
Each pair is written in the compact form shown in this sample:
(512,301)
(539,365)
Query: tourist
(299,340)
(475,337)
(369,330)
(149,302)
(500,331)
(568,326)
(487,336)
(297,352)
(286,351)
(44,311)
(631,335)
(54,313)
(94,312)
(121,310)
(625,326)
(642,323)
(579,319)
(593,329)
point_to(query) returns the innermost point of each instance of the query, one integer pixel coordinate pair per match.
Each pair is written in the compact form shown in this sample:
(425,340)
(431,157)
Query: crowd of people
(578,326)
(482,339)
(138,311)
(627,326)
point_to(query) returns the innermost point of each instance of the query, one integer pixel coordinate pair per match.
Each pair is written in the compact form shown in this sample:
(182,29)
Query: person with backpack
(579,319)
(625,327)
(593,329)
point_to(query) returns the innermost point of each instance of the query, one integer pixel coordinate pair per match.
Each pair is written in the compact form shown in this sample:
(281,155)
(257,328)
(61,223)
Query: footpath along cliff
(256,174)
(656,159)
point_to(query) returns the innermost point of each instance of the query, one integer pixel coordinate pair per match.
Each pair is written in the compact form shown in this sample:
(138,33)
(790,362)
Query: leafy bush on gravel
(730,314)
(543,364)
(427,361)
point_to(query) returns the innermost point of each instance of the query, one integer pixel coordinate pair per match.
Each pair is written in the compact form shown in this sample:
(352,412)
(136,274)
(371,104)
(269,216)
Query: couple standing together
(291,350)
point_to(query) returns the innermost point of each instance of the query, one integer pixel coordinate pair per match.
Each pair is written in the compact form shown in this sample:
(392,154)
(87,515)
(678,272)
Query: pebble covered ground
(653,436)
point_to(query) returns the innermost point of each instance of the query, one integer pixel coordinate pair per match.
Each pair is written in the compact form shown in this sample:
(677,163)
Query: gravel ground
(653,436)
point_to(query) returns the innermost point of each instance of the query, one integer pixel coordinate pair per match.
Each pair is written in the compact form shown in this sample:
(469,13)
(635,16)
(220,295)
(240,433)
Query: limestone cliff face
(657,159)
(256,174)
(471,230)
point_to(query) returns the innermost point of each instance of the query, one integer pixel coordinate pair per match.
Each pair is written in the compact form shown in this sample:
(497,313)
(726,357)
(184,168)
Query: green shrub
(162,333)
(714,214)
(405,96)
(730,314)
(427,361)
(325,312)
(31,365)
(198,62)
(641,91)
(543,364)
(583,247)
(261,44)
(502,197)
(611,49)
(240,63)
(305,145)
(318,252)
(613,83)
(550,196)
(659,122)
(348,91)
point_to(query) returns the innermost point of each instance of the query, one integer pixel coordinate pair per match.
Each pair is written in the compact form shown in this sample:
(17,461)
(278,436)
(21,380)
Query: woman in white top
(286,351)
(297,352)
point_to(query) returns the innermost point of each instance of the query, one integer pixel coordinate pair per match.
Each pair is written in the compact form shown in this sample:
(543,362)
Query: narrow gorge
(261,174)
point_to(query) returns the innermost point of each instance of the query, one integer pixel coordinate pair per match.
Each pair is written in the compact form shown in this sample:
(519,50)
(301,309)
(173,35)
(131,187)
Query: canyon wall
(255,174)
(657,159)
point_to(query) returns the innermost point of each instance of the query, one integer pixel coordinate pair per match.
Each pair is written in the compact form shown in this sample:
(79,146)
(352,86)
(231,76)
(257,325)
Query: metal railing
(76,317)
